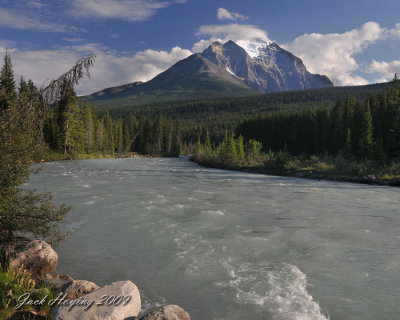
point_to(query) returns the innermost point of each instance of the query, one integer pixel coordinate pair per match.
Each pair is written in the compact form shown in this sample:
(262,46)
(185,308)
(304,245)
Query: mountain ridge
(221,70)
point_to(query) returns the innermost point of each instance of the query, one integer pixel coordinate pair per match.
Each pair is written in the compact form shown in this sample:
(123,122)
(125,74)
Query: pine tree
(176,141)
(7,83)
(240,149)
(348,148)
(126,138)
(89,128)
(100,136)
(207,144)
(119,136)
(395,136)
(231,150)
(365,129)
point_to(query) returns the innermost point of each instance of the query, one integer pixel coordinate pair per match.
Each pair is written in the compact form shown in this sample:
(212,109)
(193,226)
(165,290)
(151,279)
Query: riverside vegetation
(23,114)
(353,141)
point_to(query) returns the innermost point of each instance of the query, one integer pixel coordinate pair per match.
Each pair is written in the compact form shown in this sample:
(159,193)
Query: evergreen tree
(89,128)
(7,83)
(126,137)
(207,144)
(395,136)
(100,136)
(176,141)
(240,149)
(21,144)
(72,128)
(119,136)
(365,130)
(348,148)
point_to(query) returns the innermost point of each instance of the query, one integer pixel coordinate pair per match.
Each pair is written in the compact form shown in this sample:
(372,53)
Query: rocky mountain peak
(273,69)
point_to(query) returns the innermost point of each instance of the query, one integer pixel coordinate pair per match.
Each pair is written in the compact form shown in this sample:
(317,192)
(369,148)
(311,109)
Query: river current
(230,245)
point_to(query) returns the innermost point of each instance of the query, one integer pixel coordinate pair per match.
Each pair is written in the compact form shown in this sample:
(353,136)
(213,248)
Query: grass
(57,156)
(315,167)
(14,284)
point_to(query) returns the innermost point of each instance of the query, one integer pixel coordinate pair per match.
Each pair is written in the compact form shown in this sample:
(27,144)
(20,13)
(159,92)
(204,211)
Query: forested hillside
(216,115)
(360,129)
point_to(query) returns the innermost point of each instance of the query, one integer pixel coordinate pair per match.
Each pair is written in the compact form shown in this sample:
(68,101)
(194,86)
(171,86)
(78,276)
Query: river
(230,245)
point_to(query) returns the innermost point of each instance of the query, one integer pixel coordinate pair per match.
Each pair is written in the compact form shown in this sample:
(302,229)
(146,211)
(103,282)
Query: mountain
(273,70)
(221,70)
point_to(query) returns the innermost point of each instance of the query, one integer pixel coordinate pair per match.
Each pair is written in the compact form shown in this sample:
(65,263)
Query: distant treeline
(360,130)
(74,128)
(218,114)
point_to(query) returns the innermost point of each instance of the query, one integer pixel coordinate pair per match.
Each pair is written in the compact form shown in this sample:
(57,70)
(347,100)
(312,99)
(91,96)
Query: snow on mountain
(252,47)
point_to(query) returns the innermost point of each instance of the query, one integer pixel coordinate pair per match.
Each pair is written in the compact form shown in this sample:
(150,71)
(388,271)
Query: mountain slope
(192,78)
(222,70)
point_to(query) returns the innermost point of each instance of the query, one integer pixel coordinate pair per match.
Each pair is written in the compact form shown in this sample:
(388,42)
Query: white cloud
(36,4)
(224,14)
(396,31)
(334,54)
(242,34)
(131,10)
(110,69)
(385,70)
(73,39)
(20,21)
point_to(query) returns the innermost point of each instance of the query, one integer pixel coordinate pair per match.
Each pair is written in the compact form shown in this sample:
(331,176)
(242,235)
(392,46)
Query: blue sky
(353,42)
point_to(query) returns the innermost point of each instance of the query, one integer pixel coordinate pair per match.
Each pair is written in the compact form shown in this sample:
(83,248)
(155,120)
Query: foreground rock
(36,256)
(72,289)
(120,311)
(170,312)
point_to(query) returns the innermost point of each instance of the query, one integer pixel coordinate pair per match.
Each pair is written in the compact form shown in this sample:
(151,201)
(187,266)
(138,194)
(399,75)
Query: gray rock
(36,256)
(121,311)
(79,288)
(73,289)
(170,312)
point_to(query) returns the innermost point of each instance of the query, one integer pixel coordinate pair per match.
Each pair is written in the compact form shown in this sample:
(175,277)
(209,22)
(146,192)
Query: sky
(353,42)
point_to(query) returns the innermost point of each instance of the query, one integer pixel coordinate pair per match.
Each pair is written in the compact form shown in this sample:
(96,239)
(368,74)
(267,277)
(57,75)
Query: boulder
(79,288)
(73,289)
(170,312)
(105,311)
(36,256)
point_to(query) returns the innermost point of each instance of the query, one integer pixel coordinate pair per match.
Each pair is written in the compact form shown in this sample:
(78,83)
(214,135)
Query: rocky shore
(79,299)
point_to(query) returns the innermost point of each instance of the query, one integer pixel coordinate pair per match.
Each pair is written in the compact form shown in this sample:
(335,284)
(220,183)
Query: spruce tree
(89,128)
(7,83)
(207,144)
(348,147)
(176,141)
(395,136)
(365,129)
(240,149)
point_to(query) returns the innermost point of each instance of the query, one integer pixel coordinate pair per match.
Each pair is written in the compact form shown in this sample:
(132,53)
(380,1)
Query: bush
(14,284)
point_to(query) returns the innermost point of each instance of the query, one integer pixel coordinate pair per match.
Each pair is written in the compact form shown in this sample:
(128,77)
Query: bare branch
(53,91)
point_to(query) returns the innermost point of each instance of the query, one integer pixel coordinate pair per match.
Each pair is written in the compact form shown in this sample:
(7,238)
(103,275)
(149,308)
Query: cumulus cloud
(130,10)
(14,20)
(385,70)
(396,31)
(110,69)
(334,54)
(244,35)
(224,14)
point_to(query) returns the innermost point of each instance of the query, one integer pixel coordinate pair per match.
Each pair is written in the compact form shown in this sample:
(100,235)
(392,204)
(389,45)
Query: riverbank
(312,168)
(56,156)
